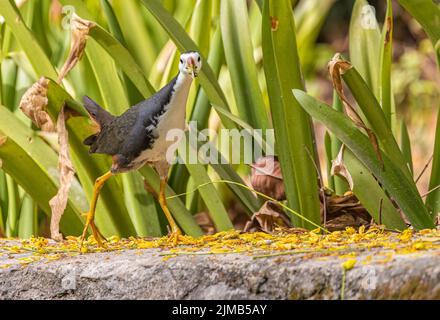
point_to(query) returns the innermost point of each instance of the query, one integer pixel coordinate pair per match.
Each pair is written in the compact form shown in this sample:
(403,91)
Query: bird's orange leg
(175,230)
(90,216)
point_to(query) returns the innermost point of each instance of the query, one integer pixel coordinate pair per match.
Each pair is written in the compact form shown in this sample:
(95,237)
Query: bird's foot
(97,235)
(175,237)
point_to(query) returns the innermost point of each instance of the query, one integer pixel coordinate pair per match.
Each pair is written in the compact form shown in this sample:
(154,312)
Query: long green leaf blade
(433,198)
(239,57)
(177,208)
(184,43)
(34,52)
(395,182)
(364,43)
(291,123)
(375,116)
(386,60)
(371,195)
(23,151)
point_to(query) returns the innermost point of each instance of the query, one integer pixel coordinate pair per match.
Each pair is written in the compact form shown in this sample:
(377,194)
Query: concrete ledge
(143,274)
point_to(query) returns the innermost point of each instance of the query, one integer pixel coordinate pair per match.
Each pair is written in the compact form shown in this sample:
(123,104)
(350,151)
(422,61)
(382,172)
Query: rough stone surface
(143,274)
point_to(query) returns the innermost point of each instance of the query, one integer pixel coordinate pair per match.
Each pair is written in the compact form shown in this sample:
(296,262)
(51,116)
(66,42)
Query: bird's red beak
(191,65)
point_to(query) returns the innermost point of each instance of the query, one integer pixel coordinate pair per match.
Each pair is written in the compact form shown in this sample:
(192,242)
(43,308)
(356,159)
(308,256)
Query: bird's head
(190,63)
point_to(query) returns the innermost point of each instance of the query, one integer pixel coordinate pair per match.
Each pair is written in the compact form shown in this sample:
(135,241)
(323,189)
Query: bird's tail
(99,115)
(96,112)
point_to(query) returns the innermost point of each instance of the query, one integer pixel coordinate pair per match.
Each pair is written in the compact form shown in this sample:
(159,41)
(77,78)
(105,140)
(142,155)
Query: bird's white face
(190,63)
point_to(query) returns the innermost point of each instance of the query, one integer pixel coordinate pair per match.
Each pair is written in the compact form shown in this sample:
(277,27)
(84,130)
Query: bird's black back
(132,132)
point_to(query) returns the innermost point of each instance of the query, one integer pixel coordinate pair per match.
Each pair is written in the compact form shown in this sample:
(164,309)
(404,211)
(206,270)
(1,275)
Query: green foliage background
(255,53)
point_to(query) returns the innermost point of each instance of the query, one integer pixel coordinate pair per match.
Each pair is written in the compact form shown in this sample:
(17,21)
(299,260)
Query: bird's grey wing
(141,136)
(113,135)
(134,131)
(143,131)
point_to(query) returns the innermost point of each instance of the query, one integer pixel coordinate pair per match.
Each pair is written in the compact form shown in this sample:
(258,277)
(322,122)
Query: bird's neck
(183,83)
(181,91)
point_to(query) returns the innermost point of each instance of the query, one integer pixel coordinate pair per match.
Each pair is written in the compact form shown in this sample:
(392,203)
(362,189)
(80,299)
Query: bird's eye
(198,59)
(181,61)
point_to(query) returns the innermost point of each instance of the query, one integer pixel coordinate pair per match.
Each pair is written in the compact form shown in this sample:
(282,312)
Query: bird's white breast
(172,118)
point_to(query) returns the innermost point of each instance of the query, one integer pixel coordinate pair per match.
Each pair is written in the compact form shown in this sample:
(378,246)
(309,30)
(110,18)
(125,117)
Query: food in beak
(190,66)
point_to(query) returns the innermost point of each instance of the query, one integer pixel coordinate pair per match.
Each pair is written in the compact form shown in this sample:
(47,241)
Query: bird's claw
(97,235)
(175,237)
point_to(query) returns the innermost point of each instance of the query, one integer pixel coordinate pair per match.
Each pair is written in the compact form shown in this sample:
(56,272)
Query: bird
(137,137)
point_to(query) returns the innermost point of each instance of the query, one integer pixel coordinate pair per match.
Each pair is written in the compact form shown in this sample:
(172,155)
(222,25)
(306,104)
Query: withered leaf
(59,202)
(80,30)
(33,105)
(337,67)
(269,217)
(266,177)
(339,168)
(345,211)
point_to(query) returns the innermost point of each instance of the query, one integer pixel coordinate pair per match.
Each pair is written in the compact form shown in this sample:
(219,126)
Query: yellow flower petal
(349,264)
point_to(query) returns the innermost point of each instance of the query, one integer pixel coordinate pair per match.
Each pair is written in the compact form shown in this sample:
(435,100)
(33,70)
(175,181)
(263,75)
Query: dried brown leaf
(268,218)
(337,67)
(59,202)
(345,211)
(339,168)
(80,30)
(33,105)
(266,178)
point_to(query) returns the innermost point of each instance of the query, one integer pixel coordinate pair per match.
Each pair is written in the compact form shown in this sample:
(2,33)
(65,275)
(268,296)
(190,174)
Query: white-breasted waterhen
(138,136)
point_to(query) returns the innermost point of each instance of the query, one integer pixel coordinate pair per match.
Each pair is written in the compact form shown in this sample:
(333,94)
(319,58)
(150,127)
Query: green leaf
(14,207)
(116,102)
(406,145)
(201,21)
(177,208)
(328,160)
(184,43)
(427,13)
(35,54)
(309,22)
(386,61)
(112,216)
(202,108)
(140,40)
(140,205)
(376,118)
(3,201)
(364,43)
(371,195)
(123,58)
(208,192)
(292,125)
(341,186)
(433,198)
(34,166)
(394,181)
(27,225)
(134,95)
(226,172)
(239,57)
